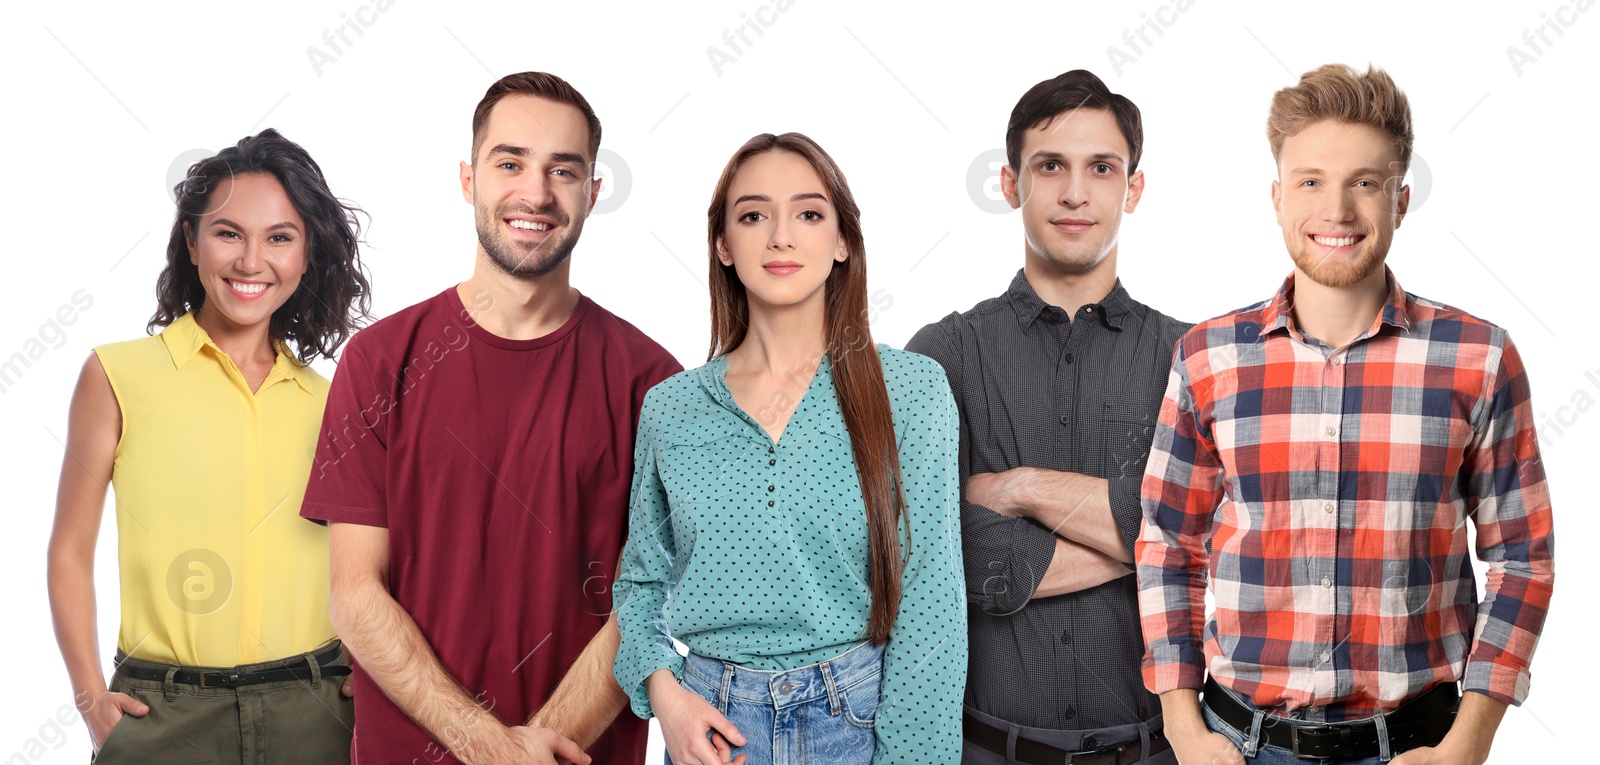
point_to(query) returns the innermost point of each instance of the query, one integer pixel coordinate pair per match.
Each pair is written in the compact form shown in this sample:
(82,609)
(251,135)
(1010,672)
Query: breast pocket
(1126,445)
(704,460)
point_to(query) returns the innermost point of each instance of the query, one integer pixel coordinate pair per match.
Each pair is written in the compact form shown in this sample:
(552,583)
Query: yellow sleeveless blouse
(217,566)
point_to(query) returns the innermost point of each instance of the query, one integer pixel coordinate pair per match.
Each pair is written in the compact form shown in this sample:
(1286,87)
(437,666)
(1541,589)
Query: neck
(1336,315)
(782,340)
(242,343)
(517,308)
(1070,288)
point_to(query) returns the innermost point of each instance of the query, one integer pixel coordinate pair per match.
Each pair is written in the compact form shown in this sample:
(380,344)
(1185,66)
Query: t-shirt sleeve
(347,482)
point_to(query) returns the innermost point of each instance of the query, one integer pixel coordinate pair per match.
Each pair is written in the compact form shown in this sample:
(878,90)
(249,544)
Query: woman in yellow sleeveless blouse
(206,433)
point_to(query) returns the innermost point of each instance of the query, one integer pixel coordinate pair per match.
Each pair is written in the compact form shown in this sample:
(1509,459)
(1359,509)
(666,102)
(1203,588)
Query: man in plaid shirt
(1318,459)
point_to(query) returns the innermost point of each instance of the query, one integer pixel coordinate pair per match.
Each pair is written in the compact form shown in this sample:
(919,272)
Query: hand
(349,686)
(522,744)
(685,719)
(1205,747)
(1444,754)
(997,491)
(105,709)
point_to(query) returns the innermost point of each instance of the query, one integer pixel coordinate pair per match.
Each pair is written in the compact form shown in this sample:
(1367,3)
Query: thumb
(566,748)
(131,705)
(349,687)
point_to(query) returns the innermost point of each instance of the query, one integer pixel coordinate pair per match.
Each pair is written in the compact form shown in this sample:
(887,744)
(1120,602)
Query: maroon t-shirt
(501,469)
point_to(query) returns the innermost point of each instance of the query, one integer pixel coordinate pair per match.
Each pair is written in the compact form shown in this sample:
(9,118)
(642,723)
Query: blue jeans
(818,713)
(1271,755)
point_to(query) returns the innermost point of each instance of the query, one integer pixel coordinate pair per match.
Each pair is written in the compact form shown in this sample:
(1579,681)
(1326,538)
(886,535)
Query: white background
(101,102)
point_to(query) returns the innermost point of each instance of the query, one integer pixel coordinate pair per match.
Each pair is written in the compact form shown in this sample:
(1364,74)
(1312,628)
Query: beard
(1340,273)
(525,260)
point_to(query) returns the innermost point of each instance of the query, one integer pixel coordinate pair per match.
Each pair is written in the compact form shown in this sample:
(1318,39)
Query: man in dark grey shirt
(1059,382)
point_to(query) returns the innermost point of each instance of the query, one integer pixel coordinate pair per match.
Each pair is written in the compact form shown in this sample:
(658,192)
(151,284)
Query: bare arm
(1075,568)
(94,425)
(588,698)
(1075,506)
(392,650)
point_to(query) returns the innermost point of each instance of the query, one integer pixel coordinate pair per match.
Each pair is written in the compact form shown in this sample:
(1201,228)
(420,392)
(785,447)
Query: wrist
(1018,491)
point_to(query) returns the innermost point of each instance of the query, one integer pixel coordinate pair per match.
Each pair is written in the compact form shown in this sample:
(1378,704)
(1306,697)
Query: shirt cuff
(1126,508)
(639,697)
(1497,681)
(1173,667)
(322,513)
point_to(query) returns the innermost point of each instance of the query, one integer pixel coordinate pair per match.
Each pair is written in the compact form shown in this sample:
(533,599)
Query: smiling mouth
(528,225)
(247,288)
(1337,241)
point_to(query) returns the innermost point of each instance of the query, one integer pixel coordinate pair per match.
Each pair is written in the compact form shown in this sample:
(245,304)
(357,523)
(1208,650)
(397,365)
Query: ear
(723,256)
(1008,186)
(467,186)
(1401,205)
(594,190)
(188,240)
(1277,201)
(1135,191)
(841,253)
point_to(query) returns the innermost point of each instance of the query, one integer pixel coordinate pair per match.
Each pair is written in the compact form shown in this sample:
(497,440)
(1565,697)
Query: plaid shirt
(1325,493)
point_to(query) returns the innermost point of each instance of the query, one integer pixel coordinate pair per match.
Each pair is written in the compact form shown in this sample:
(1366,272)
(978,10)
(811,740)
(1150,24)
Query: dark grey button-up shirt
(1036,390)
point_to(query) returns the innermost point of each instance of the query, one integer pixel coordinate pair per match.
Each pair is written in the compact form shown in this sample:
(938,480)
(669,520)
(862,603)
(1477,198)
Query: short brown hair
(1338,92)
(1068,92)
(543,85)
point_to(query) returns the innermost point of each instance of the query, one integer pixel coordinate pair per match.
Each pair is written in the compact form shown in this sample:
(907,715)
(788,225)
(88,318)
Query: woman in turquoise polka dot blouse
(795,518)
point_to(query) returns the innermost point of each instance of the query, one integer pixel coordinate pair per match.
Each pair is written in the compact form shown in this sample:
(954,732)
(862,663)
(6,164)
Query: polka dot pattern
(756,552)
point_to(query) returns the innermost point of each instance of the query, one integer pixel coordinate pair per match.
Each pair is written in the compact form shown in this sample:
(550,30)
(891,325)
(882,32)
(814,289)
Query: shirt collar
(1029,306)
(184,338)
(1277,314)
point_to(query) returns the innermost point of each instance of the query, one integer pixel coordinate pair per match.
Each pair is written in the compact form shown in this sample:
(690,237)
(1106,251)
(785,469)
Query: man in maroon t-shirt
(474,467)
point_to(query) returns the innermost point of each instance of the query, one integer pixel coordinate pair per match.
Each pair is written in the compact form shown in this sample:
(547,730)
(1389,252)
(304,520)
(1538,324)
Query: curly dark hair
(334,296)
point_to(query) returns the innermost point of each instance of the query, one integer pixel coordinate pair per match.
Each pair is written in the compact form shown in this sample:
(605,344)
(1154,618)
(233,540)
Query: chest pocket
(704,460)
(1126,448)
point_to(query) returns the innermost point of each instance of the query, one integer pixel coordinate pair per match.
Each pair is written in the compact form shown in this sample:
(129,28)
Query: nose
(1340,207)
(537,191)
(251,259)
(780,237)
(1075,192)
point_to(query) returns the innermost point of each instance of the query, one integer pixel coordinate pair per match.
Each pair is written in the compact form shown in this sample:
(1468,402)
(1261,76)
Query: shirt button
(1069,357)
(1064,419)
(1314,710)
(1066,637)
(1326,655)
(769,503)
(1336,361)
(1331,430)
(770,488)
(772,462)
(1069,712)
(1088,309)
(1326,582)
(769,450)
(1327,506)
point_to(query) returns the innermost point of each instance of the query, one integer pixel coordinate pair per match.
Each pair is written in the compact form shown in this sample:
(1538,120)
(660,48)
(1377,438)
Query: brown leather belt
(1039,753)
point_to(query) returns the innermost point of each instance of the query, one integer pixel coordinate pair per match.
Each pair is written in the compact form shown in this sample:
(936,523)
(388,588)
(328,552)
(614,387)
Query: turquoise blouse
(756,553)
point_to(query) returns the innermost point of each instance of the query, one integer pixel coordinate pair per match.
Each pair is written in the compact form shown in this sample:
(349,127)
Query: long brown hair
(857,374)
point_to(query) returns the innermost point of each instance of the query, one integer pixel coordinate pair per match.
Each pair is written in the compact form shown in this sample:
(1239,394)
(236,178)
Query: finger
(724,752)
(727,729)
(349,687)
(565,747)
(703,752)
(130,705)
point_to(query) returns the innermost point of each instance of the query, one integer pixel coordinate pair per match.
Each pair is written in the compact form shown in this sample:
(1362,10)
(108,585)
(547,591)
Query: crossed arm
(392,650)
(1089,550)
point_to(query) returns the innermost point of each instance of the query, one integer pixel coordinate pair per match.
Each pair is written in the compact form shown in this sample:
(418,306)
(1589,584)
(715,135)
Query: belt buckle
(1294,738)
(1104,750)
(229,679)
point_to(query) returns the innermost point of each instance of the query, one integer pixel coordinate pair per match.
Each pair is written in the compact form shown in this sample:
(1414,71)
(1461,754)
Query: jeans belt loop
(727,683)
(1144,741)
(1384,753)
(833,690)
(316,670)
(1011,742)
(168,691)
(1252,745)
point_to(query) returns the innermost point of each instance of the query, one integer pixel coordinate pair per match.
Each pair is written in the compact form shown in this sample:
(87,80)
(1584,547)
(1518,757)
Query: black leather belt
(228,678)
(1039,753)
(1422,721)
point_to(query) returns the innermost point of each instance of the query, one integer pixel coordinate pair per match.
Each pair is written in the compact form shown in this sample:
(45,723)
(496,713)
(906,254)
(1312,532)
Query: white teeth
(529,225)
(1328,241)
(248,289)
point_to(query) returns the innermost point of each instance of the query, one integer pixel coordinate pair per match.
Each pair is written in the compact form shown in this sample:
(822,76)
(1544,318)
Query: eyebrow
(1320,171)
(1059,157)
(273,227)
(523,151)
(796,198)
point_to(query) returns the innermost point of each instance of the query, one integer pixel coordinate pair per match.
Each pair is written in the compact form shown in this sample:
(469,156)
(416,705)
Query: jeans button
(1091,743)
(785,686)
